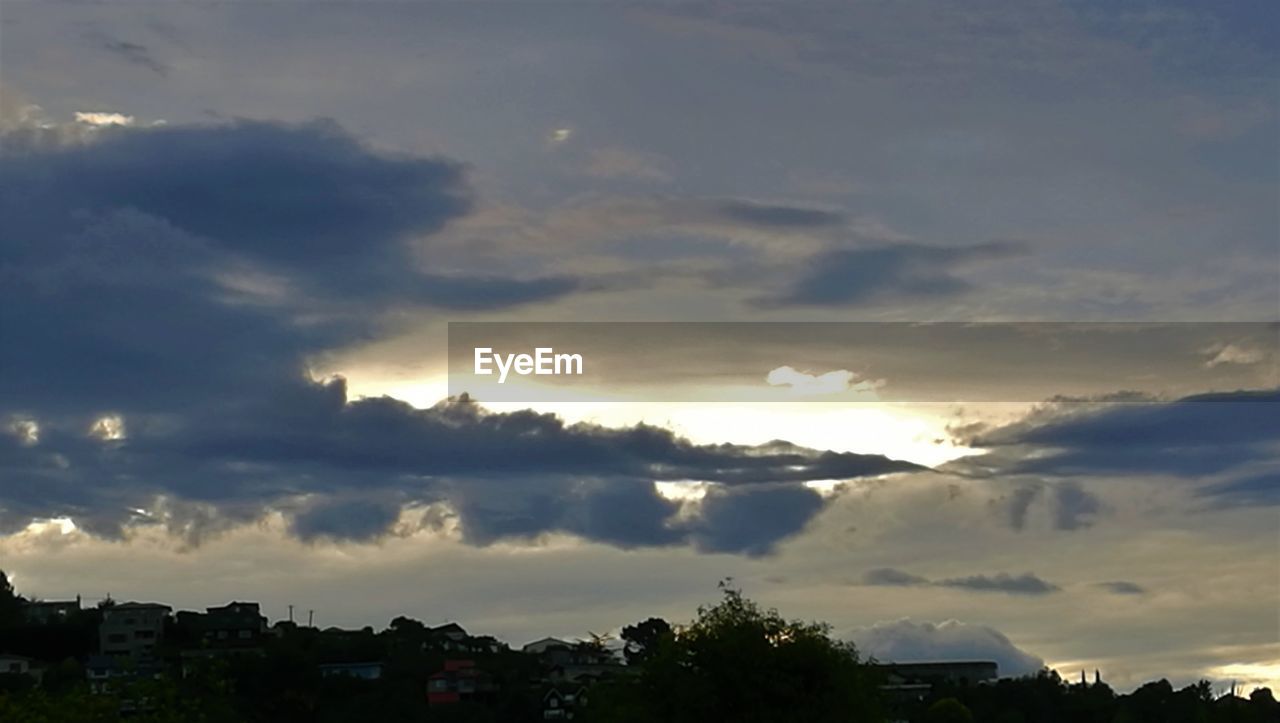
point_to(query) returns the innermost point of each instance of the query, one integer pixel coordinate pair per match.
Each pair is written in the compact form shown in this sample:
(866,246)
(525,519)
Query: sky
(234,236)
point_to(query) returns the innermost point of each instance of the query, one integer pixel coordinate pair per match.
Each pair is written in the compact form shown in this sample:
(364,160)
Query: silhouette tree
(739,662)
(10,603)
(948,710)
(643,638)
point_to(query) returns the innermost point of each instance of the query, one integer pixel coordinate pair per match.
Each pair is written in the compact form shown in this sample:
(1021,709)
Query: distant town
(68,661)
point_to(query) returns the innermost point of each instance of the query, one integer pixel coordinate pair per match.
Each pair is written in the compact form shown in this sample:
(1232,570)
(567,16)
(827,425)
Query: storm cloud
(308,451)
(1225,443)
(165,265)
(165,288)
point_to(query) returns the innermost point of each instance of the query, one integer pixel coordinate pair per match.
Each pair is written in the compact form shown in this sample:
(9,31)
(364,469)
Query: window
(144,634)
(117,638)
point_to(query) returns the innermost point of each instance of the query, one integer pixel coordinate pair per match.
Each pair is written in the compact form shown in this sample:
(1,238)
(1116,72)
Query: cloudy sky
(235,234)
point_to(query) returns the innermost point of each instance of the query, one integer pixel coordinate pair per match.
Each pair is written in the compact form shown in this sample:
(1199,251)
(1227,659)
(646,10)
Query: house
(19,665)
(450,631)
(556,652)
(907,685)
(958,672)
(47,612)
(538,647)
(102,670)
(450,636)
(573,662)
(132,630)
(485,644)
(14,664)
(236,625)
(361,671)
(563,703)
(99,670)
(460,680)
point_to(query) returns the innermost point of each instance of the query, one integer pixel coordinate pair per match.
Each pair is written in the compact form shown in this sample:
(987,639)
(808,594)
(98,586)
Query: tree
(739,662)
(948,710)
(407,627)
(643,638)
(1262,697)
(10,603)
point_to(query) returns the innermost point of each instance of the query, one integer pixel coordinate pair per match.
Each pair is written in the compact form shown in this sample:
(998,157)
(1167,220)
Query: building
(449,631)
(460,680)
(538,647)
(132,630)
(19,665)
(563,702)
(907,685)
(450,636)
(360,671)
(47,612)
(236,625)
(571,663)
(103,670)
(958,672)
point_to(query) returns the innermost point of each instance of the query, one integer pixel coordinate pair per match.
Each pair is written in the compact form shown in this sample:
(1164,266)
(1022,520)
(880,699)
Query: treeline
(1046,698)
(734,661)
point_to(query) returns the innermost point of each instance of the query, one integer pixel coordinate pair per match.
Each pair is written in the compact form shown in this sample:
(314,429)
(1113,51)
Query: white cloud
(905,641)
(26,430)
(1219,354)
(109,428)
(832,382)
(98,118)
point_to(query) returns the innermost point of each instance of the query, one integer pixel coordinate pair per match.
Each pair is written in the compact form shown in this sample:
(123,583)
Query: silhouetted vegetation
(735,661)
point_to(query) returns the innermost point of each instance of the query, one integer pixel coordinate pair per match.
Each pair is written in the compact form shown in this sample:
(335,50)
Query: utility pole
(311,618)
(290,613)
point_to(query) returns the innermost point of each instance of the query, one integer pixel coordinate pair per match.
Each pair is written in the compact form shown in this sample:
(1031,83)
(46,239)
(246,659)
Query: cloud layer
(166,287)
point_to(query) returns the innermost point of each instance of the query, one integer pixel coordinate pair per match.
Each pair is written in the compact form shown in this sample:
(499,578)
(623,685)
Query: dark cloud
(851,276)
(627,513)
(1070,506)
(160,266)
(1226,440)
(1122,587)
(905,641)
(511,475)
(177,280)
(1248,489)
(1024,584)
(134,54)
(752,520)
(1020,504)
(1073,507)
(892,577)
(307,201)
(344,519)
